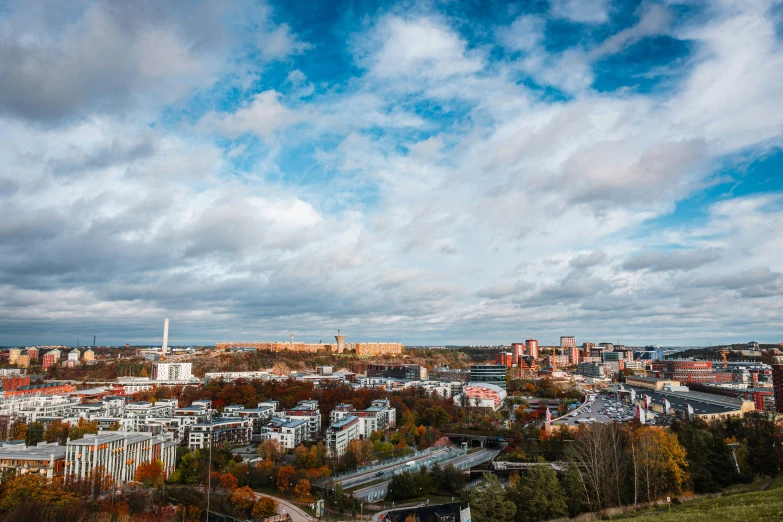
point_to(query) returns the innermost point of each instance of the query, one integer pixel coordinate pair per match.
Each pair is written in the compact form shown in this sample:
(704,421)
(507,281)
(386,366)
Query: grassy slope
(741,507)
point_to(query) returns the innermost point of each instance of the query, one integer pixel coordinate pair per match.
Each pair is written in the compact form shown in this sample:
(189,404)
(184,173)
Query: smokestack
(93,341)
(340,342)
(165,348)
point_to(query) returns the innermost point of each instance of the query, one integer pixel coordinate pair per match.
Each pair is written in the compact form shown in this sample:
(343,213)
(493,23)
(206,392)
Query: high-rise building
(567,342)
(13,355)
(518,349)
(531,347)
(49,360)
(489,373)
(33,353)
(172,371)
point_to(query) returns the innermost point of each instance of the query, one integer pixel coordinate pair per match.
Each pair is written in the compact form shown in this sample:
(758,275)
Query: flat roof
(347,421)
(702,403)
(110,436)
(42,452)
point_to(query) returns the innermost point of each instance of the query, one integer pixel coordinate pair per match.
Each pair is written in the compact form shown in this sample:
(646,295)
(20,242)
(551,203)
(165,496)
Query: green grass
(749,506)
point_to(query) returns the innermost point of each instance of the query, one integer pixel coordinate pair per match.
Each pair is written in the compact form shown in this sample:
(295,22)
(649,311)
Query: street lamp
(209,466)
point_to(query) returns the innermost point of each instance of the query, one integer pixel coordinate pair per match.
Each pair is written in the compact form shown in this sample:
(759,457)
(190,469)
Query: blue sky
(423,172)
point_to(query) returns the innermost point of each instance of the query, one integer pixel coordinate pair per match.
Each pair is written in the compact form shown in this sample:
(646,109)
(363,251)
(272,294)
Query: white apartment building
(258,416)
(235,376)
(219,430)
(120,454)
(172,371)
(378,417)
(289,433)
(46,459)
(136,413)
(31,407)
(340,433)
(309,411)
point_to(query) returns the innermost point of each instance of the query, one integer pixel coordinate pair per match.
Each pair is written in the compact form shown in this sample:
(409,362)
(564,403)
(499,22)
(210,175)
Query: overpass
(483,440)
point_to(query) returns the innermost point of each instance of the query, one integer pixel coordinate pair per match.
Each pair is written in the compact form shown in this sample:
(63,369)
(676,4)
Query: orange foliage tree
(150,474)
(285,478)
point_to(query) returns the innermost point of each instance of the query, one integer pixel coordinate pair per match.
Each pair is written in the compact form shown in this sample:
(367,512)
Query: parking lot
(603,409)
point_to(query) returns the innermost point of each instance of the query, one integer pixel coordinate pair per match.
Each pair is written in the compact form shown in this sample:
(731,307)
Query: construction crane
(724,352)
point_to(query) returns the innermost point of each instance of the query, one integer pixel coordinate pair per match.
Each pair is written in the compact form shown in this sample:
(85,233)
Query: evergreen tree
(488,502)
(542,496)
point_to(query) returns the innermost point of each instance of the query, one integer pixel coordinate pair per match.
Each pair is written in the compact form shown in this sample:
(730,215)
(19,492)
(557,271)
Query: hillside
(741,507)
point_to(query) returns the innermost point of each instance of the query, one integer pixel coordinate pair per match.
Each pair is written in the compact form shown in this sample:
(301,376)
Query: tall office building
(531,347)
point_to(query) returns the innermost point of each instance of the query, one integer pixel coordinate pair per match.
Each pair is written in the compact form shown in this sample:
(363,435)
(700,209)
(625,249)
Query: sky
(424,172)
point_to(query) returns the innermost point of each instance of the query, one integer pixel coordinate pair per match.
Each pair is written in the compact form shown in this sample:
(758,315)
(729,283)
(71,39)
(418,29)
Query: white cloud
(263,116)
(585,11)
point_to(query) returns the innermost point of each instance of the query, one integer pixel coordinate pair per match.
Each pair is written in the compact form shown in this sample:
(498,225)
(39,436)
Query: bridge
(483,440)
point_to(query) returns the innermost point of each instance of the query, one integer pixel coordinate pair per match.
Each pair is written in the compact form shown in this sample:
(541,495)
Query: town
(327,429)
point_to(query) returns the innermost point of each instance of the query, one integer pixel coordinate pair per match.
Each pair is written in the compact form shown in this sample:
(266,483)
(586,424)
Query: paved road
(297,513)
(387,471)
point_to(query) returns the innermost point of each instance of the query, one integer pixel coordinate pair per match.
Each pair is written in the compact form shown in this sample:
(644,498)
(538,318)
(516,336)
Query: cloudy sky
(427,172)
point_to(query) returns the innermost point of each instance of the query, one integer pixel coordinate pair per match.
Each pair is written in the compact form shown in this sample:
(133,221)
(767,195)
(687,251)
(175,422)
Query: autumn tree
(243,498)
(302,487)
(150,474)
(57,431)
(659,462)
(188,513)
(228,483)
(19,429)
(271,450)
(265,507)
(82,427)
(285,478)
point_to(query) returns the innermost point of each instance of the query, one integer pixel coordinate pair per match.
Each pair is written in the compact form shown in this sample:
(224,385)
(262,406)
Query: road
(378,492)
(297,513)
(360,478)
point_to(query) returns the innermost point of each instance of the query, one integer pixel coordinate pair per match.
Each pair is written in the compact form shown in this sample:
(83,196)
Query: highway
(378,472)
(378,491)
(285,507)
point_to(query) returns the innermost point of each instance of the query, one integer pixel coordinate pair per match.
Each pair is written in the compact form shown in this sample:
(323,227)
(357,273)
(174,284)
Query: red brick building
(41,389)
(685,371)
(12,383)
(506,359)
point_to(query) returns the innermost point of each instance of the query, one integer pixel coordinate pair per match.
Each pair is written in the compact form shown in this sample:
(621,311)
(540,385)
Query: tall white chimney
(165,349)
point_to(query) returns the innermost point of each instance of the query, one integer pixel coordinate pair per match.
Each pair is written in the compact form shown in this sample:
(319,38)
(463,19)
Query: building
(531,348)
(775,360)
(507,359)
(410,372)
(289,433)
(118,453)
(488,373)
(136,414)
(52,388)
(482,395)
(172,371)
(32,407)
(45,459)
(33,353)
(13,355)
(308,411)
(685,370)
(688,404)
(340,433)
(235,376)
(23,361)
(14,382)
(594,370)
(444,373)
(378,417)
(48,361)
(360,349)
(518,350)
(74,355)
(258,417)
(89,356)
(231,430)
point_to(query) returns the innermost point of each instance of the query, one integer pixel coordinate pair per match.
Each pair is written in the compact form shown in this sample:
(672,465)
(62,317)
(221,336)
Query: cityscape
(391,261)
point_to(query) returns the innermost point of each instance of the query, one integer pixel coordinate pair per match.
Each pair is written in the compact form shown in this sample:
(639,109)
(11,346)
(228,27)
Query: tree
(228,483)
(302,487)
(265,507)
(541,494)
(150,474)
(488,502)
(35,434)
(243,498)
(19,429)
(32,489)
(659,462)
(82,427)
(305,458)
(188,513)
(188,471)
(285,478)
(270,449)
(57,431)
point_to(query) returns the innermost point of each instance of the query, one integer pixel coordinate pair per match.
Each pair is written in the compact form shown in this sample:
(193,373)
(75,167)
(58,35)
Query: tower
(340,342)
(165,348)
